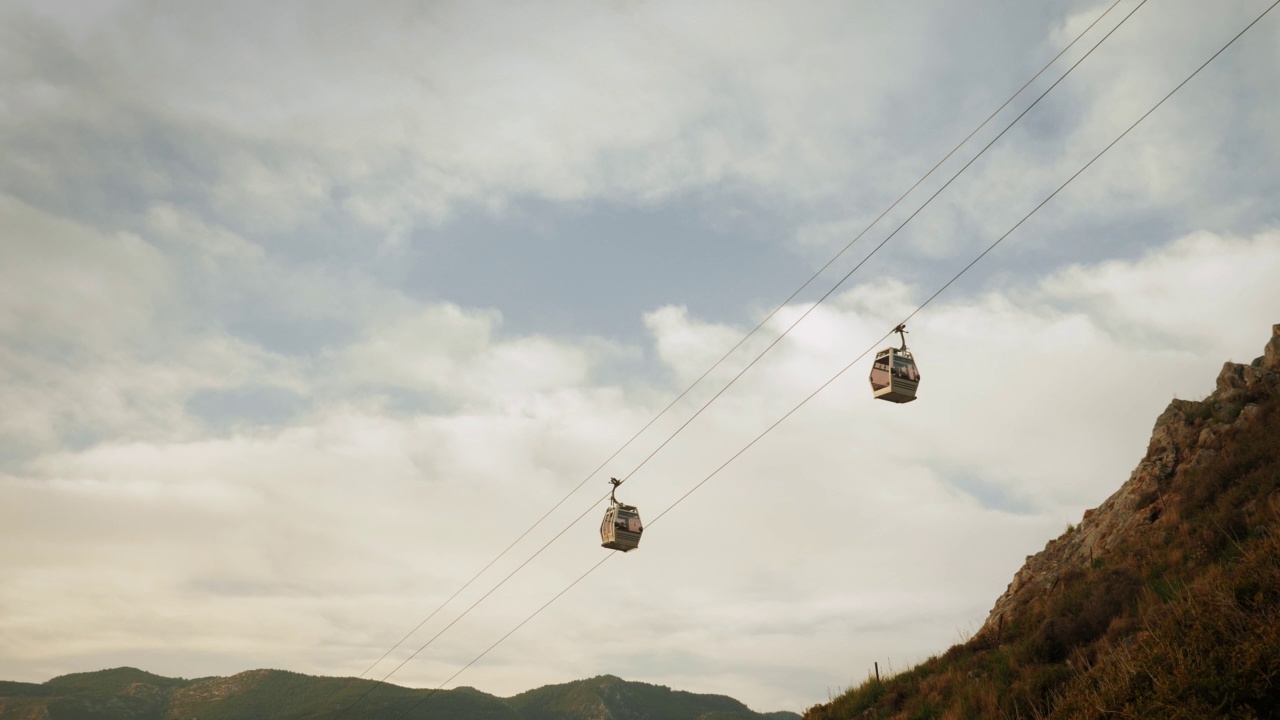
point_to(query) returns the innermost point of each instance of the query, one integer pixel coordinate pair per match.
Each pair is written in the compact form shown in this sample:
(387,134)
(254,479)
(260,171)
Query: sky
(308,310)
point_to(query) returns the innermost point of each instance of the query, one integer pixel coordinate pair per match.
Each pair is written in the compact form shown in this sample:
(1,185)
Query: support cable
(739,344)
(887,238)
(742,341)
(847,367)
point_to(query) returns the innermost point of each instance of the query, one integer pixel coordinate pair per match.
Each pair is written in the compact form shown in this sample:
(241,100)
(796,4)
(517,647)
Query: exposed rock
(220,688)
(1187,434)
(1271,355)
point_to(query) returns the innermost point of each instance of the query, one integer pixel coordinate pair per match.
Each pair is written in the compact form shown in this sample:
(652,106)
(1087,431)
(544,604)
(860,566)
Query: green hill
(130,694)
(1164,602)
(609,697)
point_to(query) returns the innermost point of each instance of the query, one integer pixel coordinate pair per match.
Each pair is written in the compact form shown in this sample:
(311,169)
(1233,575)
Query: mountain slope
(1163,602)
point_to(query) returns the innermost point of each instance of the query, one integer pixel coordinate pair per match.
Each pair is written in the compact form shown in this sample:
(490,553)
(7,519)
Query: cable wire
(498,642)
(746,337)
(887,238)
(973,262)
(847,367)
(739,344)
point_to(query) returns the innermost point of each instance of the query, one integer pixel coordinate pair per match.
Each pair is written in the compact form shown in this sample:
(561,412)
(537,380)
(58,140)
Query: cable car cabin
(894,375)
(621,528)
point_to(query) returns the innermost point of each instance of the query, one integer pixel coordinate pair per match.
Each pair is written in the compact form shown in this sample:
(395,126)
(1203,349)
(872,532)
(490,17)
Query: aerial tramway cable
(742,341)
(973,262)
(750,334)
(847,367)
(883,242)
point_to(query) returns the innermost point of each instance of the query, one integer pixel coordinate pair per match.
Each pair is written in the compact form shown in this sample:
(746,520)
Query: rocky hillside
(130,694)
(1188,435)
(1163,602)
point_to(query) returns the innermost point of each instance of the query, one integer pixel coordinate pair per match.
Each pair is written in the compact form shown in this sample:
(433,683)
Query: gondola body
(621,528)
(894,375)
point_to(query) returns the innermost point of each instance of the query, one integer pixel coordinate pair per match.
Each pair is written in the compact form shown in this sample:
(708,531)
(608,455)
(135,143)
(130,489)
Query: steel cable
(739,344)
(759,356)
(846,368)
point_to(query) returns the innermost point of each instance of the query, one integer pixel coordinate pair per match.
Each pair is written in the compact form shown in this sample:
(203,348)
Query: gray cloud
(224,409)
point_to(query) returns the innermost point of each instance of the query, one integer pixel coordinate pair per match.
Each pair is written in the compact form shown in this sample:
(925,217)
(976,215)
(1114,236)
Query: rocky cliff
(1187,435)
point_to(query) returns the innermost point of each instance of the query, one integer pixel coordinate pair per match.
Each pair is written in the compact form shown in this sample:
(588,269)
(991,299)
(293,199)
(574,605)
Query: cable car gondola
(894,375)
(621,527)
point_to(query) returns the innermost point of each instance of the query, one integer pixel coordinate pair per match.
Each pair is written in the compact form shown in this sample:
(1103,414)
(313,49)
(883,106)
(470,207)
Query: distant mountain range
(130,694)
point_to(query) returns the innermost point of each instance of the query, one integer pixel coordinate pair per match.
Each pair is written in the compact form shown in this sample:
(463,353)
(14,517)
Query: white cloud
(1203,308)
(452,353)
(685,346)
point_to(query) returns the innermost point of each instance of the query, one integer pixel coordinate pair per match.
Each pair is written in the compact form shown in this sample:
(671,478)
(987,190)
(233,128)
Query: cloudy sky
(309,309)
